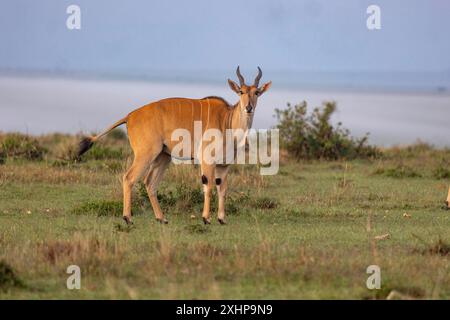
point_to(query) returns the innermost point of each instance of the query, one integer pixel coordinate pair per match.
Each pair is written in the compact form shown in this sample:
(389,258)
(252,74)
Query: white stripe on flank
(201,111)
(207,121)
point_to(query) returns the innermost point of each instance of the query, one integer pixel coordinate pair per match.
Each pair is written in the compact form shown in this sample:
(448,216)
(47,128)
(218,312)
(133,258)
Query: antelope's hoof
(222,222)
(206,221)
(446,206)
(127,220)
(162,221)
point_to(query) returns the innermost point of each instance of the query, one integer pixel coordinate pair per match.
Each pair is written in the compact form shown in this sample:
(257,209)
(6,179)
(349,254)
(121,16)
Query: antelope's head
(248,94)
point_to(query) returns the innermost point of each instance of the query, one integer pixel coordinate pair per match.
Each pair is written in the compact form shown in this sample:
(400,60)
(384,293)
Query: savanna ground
(308,232)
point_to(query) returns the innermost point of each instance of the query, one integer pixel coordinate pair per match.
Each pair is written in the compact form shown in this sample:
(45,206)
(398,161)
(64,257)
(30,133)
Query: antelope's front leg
(222,185)
(208,172)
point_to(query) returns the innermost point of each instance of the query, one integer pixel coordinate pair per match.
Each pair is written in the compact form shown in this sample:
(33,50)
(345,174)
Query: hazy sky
(138,36)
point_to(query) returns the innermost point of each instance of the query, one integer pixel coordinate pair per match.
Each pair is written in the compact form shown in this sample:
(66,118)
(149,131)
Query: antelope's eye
(241,92)
(256,93)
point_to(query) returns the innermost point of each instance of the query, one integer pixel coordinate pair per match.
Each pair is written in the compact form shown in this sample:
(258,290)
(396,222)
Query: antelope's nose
(249,109)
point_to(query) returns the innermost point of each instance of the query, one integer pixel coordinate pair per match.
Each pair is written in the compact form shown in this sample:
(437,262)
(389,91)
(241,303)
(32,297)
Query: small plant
(120,227)
(236,202)
(265,203)
(197,228)
(314,137)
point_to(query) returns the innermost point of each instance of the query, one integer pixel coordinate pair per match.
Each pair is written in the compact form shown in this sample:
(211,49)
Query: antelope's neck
(237,120)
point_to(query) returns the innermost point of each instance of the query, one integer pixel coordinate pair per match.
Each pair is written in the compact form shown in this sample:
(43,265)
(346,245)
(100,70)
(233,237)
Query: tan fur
(149,131)
(448,199)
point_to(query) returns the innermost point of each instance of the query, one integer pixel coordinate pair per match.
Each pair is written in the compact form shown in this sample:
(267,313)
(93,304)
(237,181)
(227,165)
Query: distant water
(42,104)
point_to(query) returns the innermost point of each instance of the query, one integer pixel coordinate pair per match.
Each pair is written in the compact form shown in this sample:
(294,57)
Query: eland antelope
(149,132)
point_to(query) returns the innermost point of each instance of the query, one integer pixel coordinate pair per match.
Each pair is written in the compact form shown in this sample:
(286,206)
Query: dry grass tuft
(92,254)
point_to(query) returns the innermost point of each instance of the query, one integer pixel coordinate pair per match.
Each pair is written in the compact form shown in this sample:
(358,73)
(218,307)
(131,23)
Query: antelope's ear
(264,87)
(233,85)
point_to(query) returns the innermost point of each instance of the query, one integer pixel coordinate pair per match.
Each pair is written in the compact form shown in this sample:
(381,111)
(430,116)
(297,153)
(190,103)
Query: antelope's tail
(87,142)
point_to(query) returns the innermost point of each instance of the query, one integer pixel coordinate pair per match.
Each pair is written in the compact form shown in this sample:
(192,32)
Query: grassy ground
(308,232)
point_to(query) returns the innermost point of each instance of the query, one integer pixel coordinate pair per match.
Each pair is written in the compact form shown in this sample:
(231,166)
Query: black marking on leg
(127,220)
(162,221)
(204,179)
(446,207)
(222,222)
(218,181)
(206,221)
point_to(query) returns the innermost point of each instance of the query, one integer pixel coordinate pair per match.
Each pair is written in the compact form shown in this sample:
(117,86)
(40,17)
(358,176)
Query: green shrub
(20,146)
(314,137)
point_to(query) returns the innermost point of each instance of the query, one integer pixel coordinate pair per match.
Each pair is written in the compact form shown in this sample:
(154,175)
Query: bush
(20,146)
(314,137)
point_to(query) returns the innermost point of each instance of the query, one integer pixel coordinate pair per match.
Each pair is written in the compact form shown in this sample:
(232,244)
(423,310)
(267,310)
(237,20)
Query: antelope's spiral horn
(258,77)
(240,77)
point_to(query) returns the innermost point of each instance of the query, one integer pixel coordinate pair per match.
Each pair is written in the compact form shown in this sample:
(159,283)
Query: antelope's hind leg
(152,180)
(141,162)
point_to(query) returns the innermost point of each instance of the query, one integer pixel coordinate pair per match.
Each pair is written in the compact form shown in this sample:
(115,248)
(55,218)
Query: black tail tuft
(85,145)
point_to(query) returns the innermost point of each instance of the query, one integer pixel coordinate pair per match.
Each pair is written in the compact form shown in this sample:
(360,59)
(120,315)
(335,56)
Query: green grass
(304,233)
